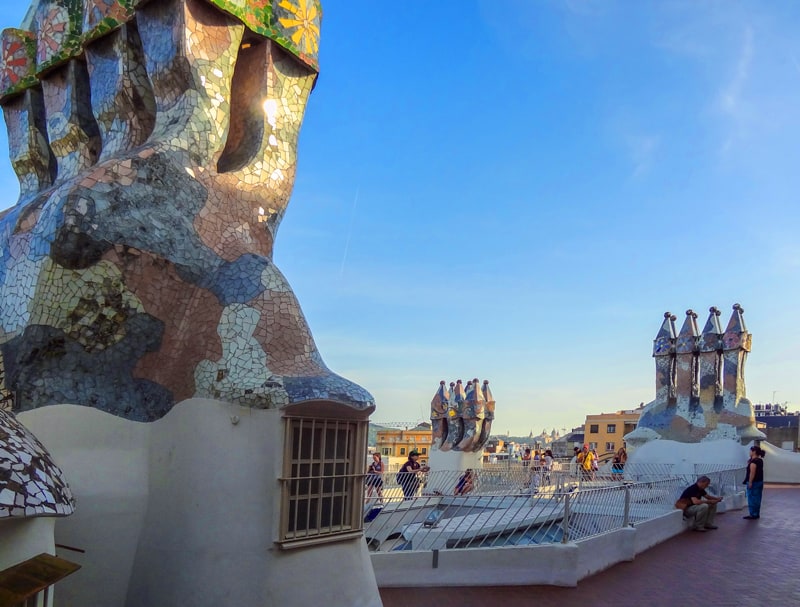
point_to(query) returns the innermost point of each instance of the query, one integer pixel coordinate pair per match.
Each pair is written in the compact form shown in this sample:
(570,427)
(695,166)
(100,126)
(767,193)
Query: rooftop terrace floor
(743,563)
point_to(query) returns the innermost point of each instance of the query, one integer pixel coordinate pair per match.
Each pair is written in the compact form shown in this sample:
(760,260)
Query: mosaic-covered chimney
(710,361)
(664,353)
(686,363)
(700,386)
(461,416)
(736,343)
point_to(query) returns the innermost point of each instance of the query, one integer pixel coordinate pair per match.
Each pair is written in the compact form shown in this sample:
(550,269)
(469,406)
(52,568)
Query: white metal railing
(525,506)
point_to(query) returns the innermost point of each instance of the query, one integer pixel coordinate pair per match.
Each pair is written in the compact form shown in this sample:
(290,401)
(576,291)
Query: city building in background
(394,444)
(781,427)
(563,446)
(544,440)
(495,445)
(604,431)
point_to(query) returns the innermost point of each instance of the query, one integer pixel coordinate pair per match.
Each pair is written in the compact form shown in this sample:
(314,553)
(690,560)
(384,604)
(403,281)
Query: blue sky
(517,190)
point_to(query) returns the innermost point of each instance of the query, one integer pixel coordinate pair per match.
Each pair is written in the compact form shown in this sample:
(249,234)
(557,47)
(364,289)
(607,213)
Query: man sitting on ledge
(702,508)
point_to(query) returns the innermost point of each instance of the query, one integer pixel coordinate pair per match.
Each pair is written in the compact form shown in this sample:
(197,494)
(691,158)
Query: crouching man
(702,506)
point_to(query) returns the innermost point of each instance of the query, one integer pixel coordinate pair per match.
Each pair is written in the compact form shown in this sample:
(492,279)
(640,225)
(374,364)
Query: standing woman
(536,471)
(548,465)
(755,482)
(375,476)
(526,457)
(585,461)
(618,465)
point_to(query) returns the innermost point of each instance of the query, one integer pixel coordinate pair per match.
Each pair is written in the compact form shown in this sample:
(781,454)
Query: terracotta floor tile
(743,564)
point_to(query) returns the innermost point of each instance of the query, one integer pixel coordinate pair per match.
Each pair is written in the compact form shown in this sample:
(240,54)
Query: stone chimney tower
(664,353)
(736,344)
(710,362)
(686,350)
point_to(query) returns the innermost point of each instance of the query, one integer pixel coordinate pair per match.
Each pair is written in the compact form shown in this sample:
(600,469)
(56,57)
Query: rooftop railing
(525,506)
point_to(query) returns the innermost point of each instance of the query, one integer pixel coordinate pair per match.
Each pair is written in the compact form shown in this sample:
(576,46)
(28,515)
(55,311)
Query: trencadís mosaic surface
(30,483)
(461,417)
(700,387)
(156,148)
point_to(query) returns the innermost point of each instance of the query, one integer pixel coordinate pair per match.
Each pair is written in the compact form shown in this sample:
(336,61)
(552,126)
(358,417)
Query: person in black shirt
(755,482)
(408,477)
(703,507)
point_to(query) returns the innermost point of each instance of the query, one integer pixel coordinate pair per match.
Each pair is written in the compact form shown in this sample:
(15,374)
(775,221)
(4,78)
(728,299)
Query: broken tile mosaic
(156,148)
(30,483)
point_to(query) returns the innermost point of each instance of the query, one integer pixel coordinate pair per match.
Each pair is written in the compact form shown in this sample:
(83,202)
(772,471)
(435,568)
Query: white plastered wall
(23,539)
(104,460)
(780,465)
(185,511)
(440,461)
(544,564)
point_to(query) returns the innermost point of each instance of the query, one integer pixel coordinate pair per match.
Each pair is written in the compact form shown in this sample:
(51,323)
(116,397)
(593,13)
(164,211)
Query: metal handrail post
(565,520)
(627,514)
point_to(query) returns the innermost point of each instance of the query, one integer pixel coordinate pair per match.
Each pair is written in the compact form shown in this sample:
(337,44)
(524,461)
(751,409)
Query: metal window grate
(323,476)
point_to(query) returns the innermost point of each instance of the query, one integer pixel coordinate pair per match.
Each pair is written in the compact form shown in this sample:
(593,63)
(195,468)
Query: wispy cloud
(683,40)
(731,100)
(586,8)
(746,58)
(785,258)
(642,150)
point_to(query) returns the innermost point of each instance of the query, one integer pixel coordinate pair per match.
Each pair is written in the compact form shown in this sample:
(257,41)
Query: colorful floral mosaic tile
(18,71)
(63,28)
(294,24)
(103,16)
(58,32)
